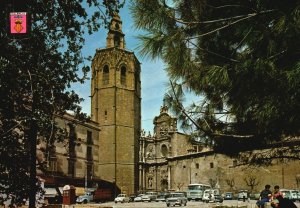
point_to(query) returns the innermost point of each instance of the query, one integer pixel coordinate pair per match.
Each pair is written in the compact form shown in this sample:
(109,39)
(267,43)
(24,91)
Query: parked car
(162,197)
(228,196)
(99,195)
(287,193)
(209,195)
(86,198)
(294,195)
(138,198)
(298,195)
(218,198)
(122,198)
(243,195)
(131,198)
(149,196)
(176,198)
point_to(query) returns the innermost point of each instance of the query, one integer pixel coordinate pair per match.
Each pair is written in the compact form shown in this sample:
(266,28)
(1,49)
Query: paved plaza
(229,203)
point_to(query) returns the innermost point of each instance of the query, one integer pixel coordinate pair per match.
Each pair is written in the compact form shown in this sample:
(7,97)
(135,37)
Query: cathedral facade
(170,160)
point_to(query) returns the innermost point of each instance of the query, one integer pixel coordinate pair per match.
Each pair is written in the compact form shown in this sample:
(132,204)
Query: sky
(153,75)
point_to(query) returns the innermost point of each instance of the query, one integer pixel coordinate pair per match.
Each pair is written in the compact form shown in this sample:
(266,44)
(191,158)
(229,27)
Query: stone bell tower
(116,106)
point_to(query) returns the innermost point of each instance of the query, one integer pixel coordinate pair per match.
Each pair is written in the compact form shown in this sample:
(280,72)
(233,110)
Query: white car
(176,198)
(294,195)
(138,198)
(122,198)
(209,195)
(149,196)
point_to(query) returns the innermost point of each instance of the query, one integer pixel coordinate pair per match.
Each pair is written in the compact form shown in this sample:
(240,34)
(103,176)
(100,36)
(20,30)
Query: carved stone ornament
(150,153)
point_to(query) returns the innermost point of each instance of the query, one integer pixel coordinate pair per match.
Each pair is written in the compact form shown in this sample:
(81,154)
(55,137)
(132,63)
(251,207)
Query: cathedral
(112,151)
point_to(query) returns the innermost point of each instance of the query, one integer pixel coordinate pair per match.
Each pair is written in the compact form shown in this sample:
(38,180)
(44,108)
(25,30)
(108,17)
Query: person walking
(264,196)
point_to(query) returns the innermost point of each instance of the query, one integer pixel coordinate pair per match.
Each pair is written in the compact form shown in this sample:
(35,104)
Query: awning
(79,191)
(50,192)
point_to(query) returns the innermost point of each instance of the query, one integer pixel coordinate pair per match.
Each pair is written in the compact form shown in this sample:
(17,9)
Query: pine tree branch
(240,17)
(213,53)
(185,113)
(244,38)
(211,131)
(277,54)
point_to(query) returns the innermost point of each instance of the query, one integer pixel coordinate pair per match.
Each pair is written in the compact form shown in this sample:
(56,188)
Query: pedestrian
(264,196)
(276,192)
(283,203)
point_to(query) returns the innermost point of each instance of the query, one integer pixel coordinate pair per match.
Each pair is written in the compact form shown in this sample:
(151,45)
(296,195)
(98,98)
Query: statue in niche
(150,182)
(150,152)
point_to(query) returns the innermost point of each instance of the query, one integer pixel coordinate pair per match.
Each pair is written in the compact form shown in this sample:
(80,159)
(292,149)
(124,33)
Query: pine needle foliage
(240,57)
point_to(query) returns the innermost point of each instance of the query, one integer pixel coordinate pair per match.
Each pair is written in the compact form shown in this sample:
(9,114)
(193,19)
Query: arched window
(123,75)
(105,75)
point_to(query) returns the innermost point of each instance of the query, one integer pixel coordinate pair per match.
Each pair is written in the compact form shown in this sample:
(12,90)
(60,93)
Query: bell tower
(116,106)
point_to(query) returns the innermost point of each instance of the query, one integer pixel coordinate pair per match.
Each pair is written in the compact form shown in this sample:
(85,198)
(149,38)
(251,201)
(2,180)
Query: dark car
(162,196)
(228,196)
(131,198)
(218,198)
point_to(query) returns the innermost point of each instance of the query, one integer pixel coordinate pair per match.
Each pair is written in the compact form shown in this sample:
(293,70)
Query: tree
(251,181)
(36,72)
(213,182)
(230,182)
(178,185)
(242,59)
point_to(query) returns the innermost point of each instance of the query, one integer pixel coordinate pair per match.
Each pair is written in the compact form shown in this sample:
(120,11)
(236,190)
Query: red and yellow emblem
(18,25)
(18,22)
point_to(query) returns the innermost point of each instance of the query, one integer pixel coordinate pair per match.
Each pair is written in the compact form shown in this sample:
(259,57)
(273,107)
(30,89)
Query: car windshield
(176,195)
(121,195)
(194,187)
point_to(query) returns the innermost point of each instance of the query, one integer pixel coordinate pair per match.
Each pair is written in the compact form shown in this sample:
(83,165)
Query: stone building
(75,159)
(116,107)
(106,148)
(169,160)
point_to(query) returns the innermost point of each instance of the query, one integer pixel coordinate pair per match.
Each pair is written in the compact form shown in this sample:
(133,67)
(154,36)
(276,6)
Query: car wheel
(85,201)
(168,205)
(185,204)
